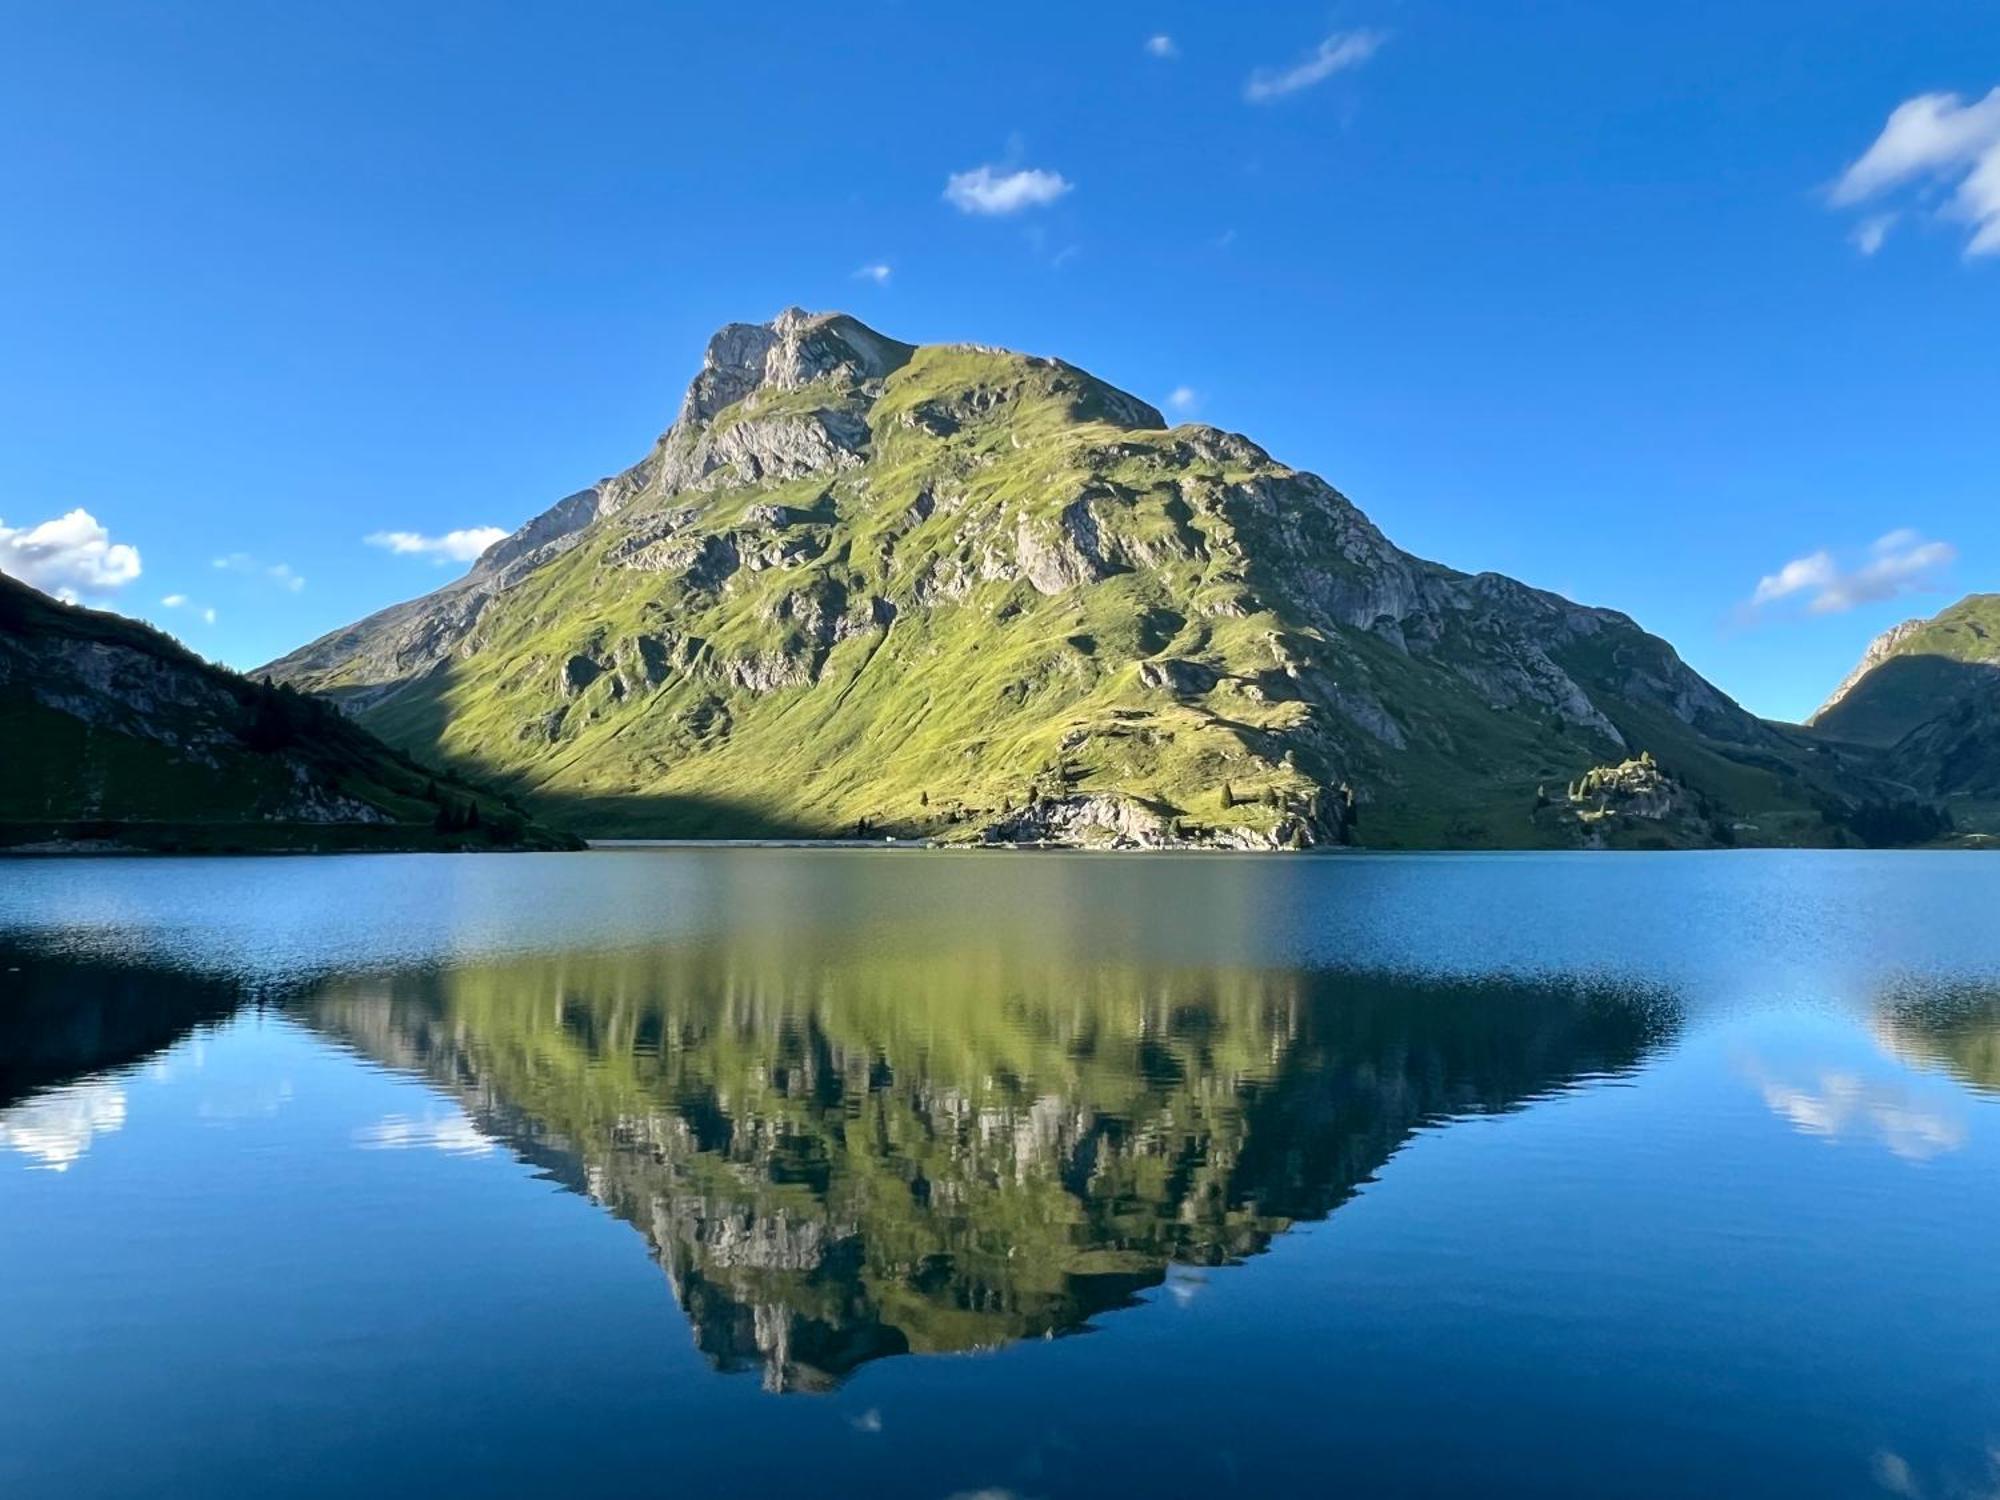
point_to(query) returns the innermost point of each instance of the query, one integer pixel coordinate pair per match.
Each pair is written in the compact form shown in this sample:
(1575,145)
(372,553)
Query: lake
(942,1174)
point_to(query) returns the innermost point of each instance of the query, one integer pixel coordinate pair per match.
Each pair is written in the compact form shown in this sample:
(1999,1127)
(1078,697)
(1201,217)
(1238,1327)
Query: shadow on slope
(65,1018)
(1905,693)
(666,815)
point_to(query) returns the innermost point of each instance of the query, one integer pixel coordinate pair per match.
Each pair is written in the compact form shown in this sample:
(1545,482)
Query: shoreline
(111,849)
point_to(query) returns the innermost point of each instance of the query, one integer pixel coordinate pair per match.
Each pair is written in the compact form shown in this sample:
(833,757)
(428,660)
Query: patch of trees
(1885,825)
(280,717)
(454,816)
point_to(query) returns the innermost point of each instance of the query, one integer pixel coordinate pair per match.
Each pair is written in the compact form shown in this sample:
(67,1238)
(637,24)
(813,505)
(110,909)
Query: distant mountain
(957,592)
(112,733)
(1914,672)
(1927,695)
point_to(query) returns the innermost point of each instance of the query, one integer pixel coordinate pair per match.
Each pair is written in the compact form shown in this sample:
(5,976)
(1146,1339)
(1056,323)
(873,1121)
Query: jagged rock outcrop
(1884,646)
(905,578)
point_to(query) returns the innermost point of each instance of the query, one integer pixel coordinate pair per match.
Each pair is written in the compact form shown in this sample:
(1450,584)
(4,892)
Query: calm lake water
(928,1174)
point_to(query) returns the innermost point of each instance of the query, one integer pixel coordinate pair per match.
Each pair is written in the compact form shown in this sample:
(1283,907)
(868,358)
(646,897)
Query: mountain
(1914,672)
(957,592)
(1927,695)
(837,1157)
(117,735)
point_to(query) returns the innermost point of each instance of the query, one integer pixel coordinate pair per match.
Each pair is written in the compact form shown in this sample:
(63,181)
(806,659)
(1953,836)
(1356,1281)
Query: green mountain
(962,593)
(837,1156)
(1927,695)
(1914,671)
(114,734)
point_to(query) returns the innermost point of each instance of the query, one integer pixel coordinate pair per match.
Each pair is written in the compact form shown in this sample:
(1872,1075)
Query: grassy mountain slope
(965,593)
(115,733)
(1926,695)
(1911,673)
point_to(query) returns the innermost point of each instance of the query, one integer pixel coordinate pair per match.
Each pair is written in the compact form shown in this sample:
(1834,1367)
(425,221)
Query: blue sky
(1579,292)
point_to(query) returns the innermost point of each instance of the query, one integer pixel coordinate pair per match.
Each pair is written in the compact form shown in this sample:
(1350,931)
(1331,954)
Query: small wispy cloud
(452,1133)
(1337,53)
(282,574)
(1903,562)
(463,545)
(54,1130)
(1838,1105)
(1870,233)
(70,557)
(1937,140)
(181,601)
(1183,399)
(991,191)
(1162,46)
(879,273)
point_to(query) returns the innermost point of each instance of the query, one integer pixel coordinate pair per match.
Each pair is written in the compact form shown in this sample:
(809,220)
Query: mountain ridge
(1926,697)
(957,592)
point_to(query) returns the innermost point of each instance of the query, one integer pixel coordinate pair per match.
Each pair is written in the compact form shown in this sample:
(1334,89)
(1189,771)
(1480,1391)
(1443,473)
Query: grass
(1031,589)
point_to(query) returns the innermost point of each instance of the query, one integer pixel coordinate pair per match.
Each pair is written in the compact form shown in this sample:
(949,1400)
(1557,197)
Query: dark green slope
(113,734)
(1926,699)
(1917,672)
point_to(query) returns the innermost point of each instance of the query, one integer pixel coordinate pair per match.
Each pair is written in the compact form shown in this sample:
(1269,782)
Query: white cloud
(282,574)
(463,545)
(1872,231)
(1902,562)
(1937,139)
(55,1129)
(1342,50)
(1183,398)
(180,601)
(1161,45)
(70,556)
(986,191)
(452,1133)
(1814,571)
(879,273)
(1839,1105)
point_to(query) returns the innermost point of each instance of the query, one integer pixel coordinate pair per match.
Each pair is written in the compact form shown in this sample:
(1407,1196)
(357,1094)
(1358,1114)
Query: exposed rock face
(905,584)
(1884,646)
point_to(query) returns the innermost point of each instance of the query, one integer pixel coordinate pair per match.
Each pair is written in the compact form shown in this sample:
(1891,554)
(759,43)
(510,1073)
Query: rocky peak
(1879,650)
(793,349)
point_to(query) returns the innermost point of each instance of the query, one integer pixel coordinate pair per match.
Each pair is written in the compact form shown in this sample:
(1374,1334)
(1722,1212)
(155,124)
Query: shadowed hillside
(115,734)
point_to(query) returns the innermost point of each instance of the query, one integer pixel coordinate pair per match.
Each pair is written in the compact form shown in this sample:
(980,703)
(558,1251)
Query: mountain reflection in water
(840,1155)
(837,1158)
